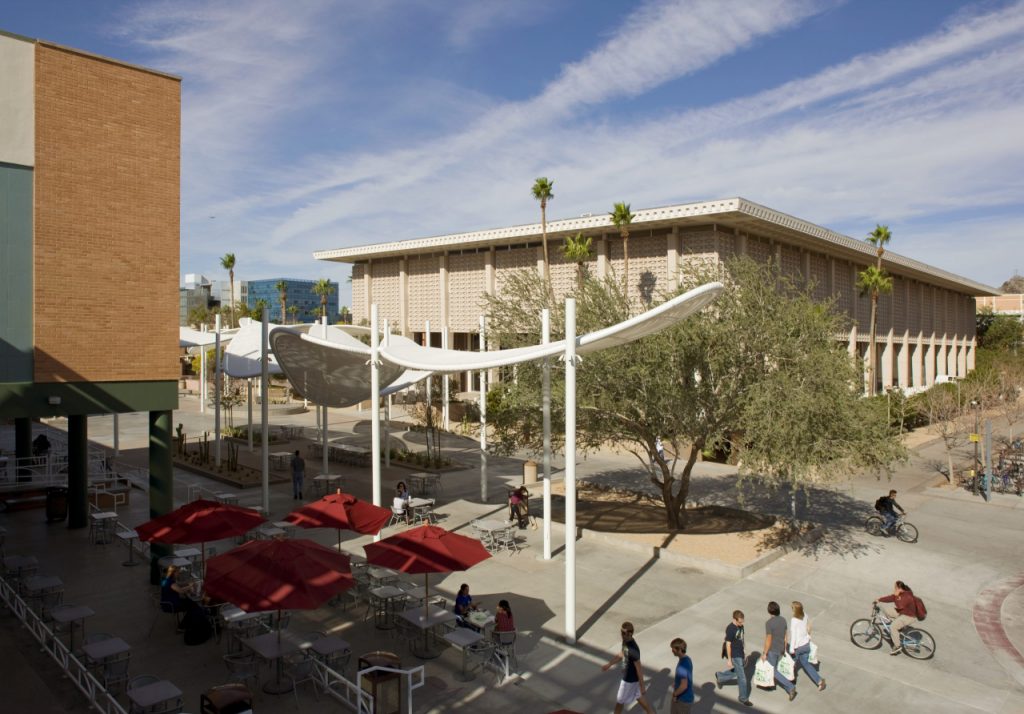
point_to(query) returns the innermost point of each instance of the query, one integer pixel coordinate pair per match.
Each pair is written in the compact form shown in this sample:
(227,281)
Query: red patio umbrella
(427,549)
(198,522)
(342,511)
(278,574)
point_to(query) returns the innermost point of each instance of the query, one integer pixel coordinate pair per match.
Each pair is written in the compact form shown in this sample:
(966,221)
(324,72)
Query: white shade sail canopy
(334,371)
(242,357)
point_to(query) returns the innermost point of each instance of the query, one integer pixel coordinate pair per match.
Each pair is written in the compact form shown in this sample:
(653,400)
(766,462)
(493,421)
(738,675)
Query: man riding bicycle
(901,608)
(887,506)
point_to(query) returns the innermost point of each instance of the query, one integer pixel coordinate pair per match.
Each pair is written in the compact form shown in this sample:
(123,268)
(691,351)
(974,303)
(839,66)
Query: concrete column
(672,258)
(917,362)
(539,250)
(442,281)
(830,276)
(367,288)
(851,344)
(161,481)
(741,243)
(929,361)
(941,357)
(403,297)
(22,437)
(903,378)
(602,258)
(886,360)
(78,471)
(971,347)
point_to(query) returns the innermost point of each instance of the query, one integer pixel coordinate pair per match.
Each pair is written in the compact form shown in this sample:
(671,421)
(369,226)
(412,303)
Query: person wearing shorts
(632,687)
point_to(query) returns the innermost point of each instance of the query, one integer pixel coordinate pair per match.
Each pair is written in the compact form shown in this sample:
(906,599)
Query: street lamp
(975,437)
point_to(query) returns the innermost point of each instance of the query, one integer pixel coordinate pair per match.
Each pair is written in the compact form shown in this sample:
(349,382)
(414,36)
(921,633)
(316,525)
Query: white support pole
(483,417)
(202,376)
(265,410)
(375,407)
(444,383)
(248,390)
(324,420)
(545,320)
(117,437)
(216,397)
(570,470)
(430,379)
(387,406)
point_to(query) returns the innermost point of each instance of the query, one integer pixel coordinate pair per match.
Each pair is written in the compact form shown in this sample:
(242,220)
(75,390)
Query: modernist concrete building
(925,327)
(89,230)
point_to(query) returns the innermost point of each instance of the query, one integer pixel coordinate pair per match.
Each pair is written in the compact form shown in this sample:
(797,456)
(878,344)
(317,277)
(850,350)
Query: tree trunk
(675,505)
(872,352)
(625,261)
(949,465)
(544,241)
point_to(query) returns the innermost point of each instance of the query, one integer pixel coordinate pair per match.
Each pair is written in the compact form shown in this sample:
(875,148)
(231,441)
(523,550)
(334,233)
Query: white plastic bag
(764,674)
(812,656)
(786,667)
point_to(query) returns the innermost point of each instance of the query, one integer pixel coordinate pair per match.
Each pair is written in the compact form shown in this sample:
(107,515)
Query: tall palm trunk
(544,241)
(231,299)
(873,353)
(625,261)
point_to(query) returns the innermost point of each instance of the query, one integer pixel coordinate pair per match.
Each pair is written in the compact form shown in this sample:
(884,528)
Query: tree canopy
(759,372)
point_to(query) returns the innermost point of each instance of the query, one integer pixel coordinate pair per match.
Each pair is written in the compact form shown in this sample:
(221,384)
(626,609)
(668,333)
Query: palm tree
(621,218)
(228,263)
(282,293)
(294,310)
(543,193)
(875,282)
(577,249)
(258,307)
(345,315)
(323,287)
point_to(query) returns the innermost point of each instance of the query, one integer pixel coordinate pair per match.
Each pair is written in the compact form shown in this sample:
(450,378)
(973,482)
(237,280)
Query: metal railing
(99,698)
(347,692)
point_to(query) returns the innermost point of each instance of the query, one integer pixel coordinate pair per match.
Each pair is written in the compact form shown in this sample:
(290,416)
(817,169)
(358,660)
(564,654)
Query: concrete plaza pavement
(967,548)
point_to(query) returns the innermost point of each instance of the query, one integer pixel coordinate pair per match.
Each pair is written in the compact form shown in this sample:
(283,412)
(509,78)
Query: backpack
(922,611)
(880,503)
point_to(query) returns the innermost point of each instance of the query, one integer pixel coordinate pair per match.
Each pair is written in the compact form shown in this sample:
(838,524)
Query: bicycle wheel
(907,533)
(873,525)
(865,634)
(917,644)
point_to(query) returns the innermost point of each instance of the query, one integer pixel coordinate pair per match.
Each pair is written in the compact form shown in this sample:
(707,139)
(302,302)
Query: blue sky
(317,124)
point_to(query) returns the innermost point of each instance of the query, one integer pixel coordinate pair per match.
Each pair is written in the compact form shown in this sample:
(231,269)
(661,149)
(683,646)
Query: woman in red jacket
(901,608)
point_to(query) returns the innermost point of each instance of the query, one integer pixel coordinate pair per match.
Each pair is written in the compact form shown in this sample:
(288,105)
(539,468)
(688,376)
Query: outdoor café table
(190,553)
(287,526)
(325,483)
(421,481)
(69,615)
(268,531)
(425,504)
(435,616)
(176,560)
(324,647)
(100,518)
(99,651)
(35,585)
(128,537)
(233,613)
(480,619)
(280,459)
(148,696)
(487,529)
(228,498)
(273,647)
(381,576)
(384,613)
(463,638)
(20,564)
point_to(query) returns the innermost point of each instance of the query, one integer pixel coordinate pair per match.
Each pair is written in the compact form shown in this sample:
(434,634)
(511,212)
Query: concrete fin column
(161,481)
(78,471)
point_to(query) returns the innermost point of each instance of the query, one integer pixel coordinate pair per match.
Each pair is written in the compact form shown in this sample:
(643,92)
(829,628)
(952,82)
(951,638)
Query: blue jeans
(801,655)
(738,675)
(773,660)
(889,519)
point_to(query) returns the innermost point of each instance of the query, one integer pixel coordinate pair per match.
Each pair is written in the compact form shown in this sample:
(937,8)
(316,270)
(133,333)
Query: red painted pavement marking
(988,618)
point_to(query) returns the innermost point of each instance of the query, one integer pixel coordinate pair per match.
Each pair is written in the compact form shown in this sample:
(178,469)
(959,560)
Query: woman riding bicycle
(901,608)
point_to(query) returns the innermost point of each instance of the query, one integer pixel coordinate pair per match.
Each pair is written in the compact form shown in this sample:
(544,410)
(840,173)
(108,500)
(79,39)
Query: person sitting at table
(401,502)
(503,620)
(519,506)
(463,606)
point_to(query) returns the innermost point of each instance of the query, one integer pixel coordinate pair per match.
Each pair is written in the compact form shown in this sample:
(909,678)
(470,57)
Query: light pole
(974,436)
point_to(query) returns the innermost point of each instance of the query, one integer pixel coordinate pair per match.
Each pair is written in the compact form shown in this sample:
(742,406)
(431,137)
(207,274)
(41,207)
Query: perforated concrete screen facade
(925,327)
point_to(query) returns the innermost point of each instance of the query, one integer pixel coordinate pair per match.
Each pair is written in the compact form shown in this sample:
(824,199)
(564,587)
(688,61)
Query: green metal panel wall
(15,273)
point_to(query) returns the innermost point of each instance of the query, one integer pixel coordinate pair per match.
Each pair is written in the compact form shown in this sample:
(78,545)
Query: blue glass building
(299,294)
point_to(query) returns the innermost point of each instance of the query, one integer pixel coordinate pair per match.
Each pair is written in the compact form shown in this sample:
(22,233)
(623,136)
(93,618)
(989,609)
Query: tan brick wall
(107,182)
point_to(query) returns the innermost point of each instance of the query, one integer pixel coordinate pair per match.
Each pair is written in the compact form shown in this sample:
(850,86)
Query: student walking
(732,651)
(775,645)
(298,474)
(800,643)
(632,687)
(682,688)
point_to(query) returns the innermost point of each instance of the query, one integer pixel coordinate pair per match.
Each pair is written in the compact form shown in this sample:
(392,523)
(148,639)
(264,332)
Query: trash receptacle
(529,473)
(385,687)
(56,504)
(226,699)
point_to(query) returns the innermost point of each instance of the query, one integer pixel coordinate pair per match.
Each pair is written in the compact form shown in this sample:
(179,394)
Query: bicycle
(869,633)
(906,532)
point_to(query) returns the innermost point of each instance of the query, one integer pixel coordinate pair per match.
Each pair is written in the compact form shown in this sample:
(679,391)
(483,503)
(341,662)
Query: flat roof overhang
(737,214)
